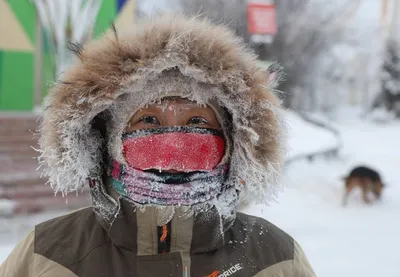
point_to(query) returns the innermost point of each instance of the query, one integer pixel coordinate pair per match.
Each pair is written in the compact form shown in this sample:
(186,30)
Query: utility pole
(389,15)
(393,19)
(385,18)
(384,12)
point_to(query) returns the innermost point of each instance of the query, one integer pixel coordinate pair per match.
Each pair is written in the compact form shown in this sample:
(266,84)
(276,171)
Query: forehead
(176,103)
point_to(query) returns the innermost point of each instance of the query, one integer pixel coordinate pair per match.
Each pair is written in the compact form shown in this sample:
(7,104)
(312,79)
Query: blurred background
(341,92)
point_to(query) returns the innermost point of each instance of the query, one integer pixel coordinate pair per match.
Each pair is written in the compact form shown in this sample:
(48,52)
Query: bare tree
(231,12)
(306,28)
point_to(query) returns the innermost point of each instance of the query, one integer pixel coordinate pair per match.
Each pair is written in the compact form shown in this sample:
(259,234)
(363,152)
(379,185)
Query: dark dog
(367,179)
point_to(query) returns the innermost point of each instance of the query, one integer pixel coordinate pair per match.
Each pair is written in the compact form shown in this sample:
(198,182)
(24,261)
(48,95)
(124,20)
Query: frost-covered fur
(175,55)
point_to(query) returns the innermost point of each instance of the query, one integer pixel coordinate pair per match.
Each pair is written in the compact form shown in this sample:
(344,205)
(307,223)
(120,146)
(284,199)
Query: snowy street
(356,240)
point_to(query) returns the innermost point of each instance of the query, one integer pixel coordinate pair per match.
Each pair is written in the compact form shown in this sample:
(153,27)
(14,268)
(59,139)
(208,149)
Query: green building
(19,29)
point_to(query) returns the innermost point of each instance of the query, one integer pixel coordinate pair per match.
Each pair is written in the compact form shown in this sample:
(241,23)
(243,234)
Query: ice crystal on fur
(172,57)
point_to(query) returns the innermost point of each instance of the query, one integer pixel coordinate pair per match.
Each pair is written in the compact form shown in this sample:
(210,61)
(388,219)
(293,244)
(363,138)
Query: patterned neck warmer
(152,187)
(191,155)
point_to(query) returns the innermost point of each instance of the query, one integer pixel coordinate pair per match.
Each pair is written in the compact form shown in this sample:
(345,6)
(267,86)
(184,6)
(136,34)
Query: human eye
(149,119)
(197,120)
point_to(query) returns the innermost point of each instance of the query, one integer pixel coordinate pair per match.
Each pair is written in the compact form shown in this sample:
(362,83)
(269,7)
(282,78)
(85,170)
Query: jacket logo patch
(226,273)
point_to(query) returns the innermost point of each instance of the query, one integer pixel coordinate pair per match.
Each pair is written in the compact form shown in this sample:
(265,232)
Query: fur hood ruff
(86,112)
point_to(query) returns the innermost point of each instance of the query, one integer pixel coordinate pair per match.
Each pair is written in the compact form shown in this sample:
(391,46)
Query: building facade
(18,43)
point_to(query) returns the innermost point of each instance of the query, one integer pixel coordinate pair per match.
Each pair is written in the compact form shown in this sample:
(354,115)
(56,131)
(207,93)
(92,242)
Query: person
(170,126)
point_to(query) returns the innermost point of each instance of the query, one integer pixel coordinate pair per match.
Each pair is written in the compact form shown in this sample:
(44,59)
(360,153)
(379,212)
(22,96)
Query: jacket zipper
(164,238)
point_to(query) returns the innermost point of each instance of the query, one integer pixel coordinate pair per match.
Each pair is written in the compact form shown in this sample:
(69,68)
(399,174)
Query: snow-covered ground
(306,138)
(352,241)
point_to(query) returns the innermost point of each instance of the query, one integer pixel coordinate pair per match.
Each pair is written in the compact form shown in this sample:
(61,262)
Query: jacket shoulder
(20,261)
(264,243)
(23,261)
(68,238)
(269,248)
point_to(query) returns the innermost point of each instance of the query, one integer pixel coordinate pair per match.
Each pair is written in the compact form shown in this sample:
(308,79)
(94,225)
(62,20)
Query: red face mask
(179,148)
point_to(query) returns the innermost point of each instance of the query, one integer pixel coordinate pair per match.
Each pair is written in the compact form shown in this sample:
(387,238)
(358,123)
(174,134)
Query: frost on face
(260,176)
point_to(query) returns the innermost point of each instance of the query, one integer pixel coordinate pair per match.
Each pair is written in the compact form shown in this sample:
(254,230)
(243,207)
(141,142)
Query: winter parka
(82,125)
(83,245)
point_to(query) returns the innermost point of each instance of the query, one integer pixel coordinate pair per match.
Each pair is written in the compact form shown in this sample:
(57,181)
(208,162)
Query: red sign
(261,19)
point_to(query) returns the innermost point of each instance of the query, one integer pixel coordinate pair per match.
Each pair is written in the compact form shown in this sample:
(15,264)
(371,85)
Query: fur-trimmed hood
(86,112)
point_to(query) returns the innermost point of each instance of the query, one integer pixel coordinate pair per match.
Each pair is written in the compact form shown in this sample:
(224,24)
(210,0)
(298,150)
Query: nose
(173,116)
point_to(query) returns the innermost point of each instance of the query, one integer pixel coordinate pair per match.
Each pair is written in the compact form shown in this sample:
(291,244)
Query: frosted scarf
(191,155)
